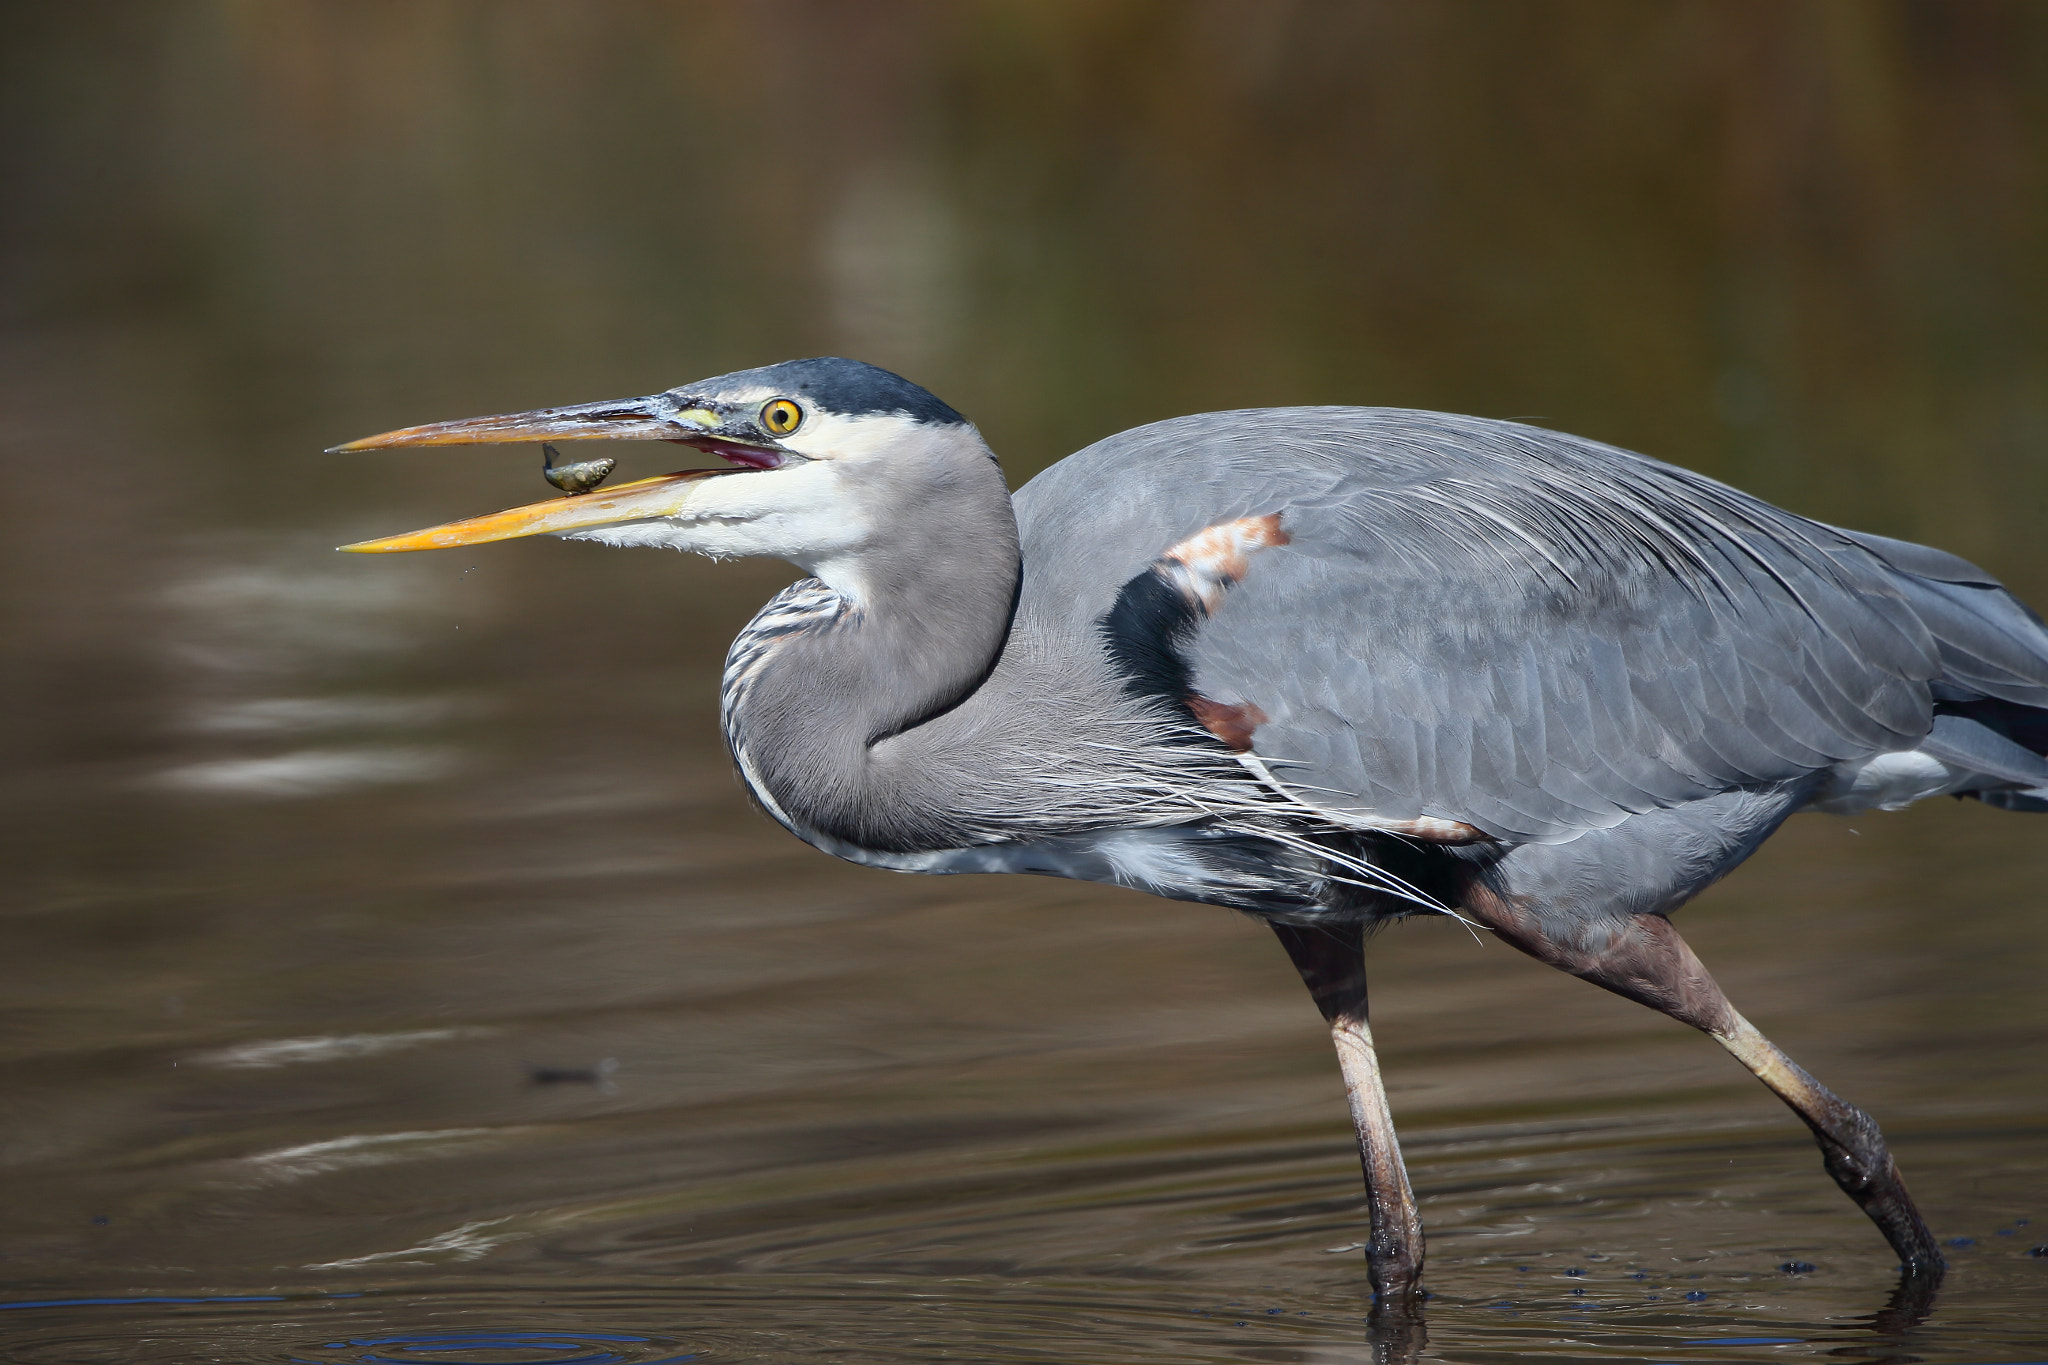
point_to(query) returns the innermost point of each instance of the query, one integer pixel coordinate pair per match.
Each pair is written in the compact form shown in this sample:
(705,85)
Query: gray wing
(1526,632)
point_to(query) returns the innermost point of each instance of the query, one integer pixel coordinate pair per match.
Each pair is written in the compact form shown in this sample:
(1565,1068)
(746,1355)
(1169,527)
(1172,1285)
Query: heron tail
(1991,702)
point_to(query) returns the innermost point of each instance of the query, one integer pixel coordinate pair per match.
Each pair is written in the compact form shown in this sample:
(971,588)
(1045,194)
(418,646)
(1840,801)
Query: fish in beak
(724,430)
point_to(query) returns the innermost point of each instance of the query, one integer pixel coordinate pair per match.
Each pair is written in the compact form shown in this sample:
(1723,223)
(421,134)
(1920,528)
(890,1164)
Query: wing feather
(1531,633)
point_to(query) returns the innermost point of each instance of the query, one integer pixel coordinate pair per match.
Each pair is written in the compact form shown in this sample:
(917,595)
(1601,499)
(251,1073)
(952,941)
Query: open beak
(641,500)
(659,418)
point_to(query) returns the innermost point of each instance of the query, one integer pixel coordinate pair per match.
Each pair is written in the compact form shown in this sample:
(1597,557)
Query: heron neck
(821,683)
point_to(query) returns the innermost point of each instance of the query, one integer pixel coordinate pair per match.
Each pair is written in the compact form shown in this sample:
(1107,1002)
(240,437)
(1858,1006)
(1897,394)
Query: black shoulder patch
(1145,632)
(855,388)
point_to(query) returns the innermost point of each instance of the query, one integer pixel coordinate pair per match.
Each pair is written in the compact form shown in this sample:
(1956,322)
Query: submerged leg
(1645,959)
(1332,965)
(1851,1147)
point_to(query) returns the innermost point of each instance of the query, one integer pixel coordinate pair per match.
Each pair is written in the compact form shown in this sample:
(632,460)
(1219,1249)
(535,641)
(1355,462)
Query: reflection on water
(553,1348)
(396,970)
(285,1051)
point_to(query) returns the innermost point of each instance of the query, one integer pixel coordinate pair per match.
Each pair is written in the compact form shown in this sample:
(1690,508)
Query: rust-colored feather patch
(1233,724)
(1431,830)
(1209,562)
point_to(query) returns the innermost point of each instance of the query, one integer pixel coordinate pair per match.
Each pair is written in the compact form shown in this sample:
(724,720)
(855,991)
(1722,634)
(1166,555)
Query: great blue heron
(1332,666)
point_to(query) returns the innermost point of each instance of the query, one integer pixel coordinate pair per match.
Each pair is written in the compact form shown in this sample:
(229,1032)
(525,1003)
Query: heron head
(824,457)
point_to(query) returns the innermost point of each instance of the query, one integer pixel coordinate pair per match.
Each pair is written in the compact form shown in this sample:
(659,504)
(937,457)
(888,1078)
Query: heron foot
(1396,1330)
(1911,1303)
(1851,1146)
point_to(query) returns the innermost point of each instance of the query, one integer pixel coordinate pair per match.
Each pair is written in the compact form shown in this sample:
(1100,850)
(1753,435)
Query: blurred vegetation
(1802,246)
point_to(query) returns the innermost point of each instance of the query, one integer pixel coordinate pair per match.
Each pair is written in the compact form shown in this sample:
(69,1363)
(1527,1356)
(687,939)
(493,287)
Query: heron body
(1330,666)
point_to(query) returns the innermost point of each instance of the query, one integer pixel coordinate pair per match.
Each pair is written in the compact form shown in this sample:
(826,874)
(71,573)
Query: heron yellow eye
(781,416)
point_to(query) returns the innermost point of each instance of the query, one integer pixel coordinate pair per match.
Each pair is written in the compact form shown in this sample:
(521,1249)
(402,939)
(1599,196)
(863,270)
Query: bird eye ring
(781,416)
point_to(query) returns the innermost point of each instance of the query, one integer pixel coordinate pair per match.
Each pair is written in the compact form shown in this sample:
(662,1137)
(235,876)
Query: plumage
(1438,659)
(1333,666)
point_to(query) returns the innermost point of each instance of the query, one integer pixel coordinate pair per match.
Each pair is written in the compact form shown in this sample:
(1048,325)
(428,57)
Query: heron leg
(1332,965)
(1644,959)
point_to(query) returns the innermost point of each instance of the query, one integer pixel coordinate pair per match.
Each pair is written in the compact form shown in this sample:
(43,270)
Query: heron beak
(641,500)
(625,419)
(661,417)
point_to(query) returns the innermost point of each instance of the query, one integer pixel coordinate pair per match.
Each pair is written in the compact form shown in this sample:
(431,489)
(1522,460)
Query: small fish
(576,478)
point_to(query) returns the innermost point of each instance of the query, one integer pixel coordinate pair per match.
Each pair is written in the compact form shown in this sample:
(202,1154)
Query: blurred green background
(1781,242)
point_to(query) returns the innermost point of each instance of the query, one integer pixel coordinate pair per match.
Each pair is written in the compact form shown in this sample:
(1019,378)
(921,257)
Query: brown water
(392,968)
